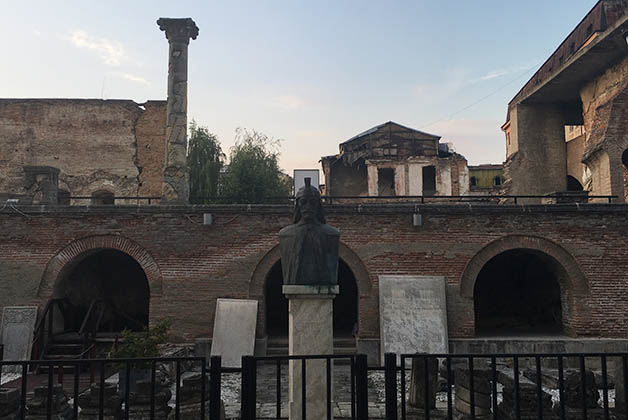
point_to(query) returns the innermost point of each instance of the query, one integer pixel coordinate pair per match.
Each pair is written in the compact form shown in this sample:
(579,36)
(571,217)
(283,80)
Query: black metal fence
(453,386)
(419,199)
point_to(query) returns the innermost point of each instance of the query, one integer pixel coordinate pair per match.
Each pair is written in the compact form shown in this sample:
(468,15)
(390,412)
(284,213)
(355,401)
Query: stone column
(176,187)
(310,329)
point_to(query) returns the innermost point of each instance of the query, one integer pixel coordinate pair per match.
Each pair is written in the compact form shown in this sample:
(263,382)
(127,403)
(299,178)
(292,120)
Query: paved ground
(267,392)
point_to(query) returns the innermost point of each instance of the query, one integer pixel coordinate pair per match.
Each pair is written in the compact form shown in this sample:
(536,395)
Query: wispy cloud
(496,73)
(289,102)
(111,52)
(135,78)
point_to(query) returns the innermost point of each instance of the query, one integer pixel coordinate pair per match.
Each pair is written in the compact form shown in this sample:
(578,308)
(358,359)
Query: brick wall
(189,265)
(113,145)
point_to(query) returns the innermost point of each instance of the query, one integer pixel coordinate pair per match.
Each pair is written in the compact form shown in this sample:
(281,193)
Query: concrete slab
(234,330)
(18,324)
(413,314)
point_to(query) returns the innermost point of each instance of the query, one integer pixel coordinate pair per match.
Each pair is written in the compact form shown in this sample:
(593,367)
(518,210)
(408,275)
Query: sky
(311,73)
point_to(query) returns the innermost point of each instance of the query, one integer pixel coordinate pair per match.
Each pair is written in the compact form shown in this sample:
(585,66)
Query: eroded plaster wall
(111,145)
(605,112)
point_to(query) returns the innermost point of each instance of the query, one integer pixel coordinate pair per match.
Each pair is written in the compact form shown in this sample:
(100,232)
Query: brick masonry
(74,135)
(189,265)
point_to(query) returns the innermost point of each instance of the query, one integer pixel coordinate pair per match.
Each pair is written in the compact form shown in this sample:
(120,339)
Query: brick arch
(575,281)
(79,247)
(258,279)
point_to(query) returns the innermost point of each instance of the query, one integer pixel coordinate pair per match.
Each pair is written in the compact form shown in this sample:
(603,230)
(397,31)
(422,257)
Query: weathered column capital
(178,30)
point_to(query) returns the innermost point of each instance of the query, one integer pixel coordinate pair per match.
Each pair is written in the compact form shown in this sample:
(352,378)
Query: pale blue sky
(313,73)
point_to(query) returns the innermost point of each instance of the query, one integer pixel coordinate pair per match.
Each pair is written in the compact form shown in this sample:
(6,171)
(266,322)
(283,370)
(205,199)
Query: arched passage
(110,279)
(345,305)
(545,259)
(518,292)
(573,184)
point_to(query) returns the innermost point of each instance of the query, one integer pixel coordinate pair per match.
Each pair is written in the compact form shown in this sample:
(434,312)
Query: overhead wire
(519,76)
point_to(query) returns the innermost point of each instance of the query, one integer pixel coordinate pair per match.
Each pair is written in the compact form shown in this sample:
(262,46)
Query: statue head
(308,205)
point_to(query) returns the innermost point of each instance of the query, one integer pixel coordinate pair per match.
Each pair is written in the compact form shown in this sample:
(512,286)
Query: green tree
(205,160)
(253,174)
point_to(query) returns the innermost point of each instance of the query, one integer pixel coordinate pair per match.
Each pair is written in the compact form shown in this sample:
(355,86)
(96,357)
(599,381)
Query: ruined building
(393,160)
(528,277)
(82,151)
(486,179)
(566,128)
(85,147)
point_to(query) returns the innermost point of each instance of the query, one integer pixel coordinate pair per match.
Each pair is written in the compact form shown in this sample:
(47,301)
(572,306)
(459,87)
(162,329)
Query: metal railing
(422,199)
(112,199)
(496,386)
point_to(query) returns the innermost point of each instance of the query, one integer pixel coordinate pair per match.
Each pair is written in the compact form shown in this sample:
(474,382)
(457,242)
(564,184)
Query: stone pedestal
(310,328)
(417,382)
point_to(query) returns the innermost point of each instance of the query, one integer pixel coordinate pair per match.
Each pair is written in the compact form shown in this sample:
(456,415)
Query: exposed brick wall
(605,110)
(198,263)
(97,144)
(150,133)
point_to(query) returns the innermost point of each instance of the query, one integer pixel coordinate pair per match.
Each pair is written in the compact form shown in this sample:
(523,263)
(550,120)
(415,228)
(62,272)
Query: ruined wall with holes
(112,145)
(189,265)
(605,109)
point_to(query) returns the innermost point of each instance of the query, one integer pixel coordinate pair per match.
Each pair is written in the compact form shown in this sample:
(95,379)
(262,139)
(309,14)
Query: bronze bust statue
(309,246)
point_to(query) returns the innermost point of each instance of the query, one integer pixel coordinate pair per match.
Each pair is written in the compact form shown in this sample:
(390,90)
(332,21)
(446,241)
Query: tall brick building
(583,84)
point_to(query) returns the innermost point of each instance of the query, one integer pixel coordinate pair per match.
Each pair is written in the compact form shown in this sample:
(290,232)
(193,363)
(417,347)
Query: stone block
(18,323)
(413,314)
(234,330)
(202,348)
(36,407)
(370,347)
(417,382)
(9,402)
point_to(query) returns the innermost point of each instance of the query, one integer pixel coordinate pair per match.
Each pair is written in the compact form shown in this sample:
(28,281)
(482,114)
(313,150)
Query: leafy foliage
(253,174)
(205,160)
(142,344)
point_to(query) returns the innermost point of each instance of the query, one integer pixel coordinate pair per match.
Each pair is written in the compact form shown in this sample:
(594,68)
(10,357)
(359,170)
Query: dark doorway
(624,161)
(573,184)
(345,304)
(385,181)
(429,180)
(102,198)
(518,293)
(114,282)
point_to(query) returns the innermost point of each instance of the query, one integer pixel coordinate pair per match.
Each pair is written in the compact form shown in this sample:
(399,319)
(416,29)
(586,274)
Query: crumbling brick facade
(583,83)
(393,160)
(117,146)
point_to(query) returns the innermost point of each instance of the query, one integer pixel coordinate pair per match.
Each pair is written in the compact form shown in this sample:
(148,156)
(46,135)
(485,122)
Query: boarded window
(429,180)
(102,198)
(63,197)
(385,181)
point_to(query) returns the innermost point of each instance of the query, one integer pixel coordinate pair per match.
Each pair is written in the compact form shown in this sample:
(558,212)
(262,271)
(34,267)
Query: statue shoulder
(287,231)
(330,230)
